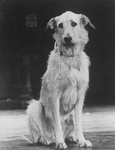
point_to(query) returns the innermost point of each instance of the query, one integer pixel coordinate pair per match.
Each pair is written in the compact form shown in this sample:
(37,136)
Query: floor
(98,126)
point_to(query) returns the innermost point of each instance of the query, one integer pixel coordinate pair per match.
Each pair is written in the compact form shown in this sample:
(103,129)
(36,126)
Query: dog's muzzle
(69,46)
(68,42)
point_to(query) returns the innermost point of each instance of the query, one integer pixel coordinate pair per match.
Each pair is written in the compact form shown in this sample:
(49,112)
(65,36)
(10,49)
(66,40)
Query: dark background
(24,51)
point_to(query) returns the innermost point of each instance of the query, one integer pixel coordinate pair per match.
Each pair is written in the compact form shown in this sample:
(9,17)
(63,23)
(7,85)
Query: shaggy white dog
(57,114)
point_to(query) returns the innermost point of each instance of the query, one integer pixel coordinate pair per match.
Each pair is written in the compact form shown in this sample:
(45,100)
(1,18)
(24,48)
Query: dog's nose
(68,39)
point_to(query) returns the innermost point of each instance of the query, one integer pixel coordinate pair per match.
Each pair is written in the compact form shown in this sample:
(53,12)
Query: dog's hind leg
(35,125)
(33,114)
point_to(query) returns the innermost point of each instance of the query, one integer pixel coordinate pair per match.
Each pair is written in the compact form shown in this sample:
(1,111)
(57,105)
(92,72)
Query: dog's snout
(68,39)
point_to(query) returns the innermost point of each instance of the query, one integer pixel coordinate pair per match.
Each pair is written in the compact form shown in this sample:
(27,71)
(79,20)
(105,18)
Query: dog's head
(69,31)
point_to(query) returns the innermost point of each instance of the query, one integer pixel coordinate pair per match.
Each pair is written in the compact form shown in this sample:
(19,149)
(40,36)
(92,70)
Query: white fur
(57,114)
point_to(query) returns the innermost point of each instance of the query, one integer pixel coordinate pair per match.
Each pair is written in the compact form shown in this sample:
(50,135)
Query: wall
(17,40)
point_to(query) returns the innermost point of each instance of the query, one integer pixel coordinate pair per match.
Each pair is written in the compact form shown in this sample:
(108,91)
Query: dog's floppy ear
(52,24)
(85,20)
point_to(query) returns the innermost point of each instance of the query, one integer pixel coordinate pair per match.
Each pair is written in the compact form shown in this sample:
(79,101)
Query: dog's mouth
(68,45)
(68,49)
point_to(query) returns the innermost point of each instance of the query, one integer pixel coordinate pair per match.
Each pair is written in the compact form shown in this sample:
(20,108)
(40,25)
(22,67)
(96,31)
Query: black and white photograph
(57,74)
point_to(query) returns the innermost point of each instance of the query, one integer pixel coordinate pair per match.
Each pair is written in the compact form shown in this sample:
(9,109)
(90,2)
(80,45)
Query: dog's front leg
(82,142)
(57,126)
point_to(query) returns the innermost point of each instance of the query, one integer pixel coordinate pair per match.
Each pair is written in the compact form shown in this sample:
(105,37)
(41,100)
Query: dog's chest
(70,76)
(74,80)
(68,88)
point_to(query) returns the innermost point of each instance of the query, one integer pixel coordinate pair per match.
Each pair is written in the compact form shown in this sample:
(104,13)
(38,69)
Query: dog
(57,116)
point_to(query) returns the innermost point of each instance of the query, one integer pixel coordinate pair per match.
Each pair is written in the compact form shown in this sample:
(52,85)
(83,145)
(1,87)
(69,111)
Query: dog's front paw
(84,143)
(61,145)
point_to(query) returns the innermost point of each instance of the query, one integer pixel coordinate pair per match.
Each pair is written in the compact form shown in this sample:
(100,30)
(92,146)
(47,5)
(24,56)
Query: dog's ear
(85,20)
(52,24)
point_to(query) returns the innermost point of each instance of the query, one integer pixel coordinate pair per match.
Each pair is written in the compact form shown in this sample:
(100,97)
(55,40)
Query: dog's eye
(60,25)
(74,24)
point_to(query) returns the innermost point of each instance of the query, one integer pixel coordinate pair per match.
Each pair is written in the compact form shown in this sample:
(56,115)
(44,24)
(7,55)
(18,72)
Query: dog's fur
(57,114)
